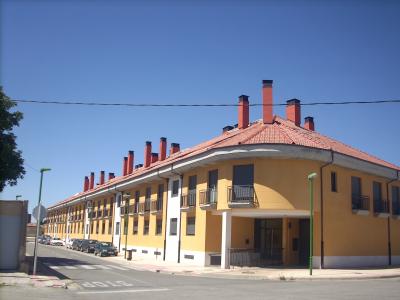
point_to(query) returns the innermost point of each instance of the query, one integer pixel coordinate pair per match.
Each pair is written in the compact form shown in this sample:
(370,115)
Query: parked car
(105,249)
(88,246)
(57,242)
(69,243)
(76,245)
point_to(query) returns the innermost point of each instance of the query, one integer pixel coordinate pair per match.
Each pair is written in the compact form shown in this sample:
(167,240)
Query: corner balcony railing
(144,207)
(241,196)
(208,198)
(156,206)
(360,204)
(188,201)
(381,206)
(396,208)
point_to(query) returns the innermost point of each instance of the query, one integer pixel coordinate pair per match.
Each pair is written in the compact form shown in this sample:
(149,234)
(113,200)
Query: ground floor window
(117,228)
(173,226)
(190,225)
(103,227)
(98,227)
(109,227)
(135,227)
(158,226)
(146,227)
(91,228)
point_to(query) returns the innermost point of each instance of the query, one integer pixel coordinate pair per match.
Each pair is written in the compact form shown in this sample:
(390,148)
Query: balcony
(105,213)
(208,198)
(381,207)
(360,204)
(144,207)
(240,196)
(188,202)
(134,209)
(156,206)
(99,213)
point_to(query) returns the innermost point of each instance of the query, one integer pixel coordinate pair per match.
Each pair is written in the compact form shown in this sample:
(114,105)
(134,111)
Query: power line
(198,105)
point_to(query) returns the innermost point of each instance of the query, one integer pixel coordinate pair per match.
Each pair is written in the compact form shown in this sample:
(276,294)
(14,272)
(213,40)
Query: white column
(226,239)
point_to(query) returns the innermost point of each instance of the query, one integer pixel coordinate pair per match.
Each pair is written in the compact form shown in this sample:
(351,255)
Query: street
(98,278)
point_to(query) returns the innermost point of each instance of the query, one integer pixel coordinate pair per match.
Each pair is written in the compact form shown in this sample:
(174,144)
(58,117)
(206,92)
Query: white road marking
(71,267)
(102,267)
(54,267)
(117,267)
(124,291)
(87,267)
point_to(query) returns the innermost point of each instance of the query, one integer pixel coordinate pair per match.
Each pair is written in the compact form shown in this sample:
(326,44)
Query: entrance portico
(264,237)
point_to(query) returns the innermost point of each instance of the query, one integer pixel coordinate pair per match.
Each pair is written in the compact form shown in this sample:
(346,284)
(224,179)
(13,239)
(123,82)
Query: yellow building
(242,198)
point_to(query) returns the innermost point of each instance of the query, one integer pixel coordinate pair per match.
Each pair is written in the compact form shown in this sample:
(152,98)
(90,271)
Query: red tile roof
(281,131)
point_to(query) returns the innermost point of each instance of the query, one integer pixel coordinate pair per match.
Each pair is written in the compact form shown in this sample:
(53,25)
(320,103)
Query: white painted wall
(117,219)
(173,211)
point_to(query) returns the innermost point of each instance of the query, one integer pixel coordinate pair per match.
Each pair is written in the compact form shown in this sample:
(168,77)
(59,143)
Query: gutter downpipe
(388,220)
(119,241)
(322,208)
(180,212)
(166,213)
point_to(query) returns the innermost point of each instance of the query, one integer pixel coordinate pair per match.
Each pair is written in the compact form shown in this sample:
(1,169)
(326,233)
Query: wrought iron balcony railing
(189,200)
(359,202)
(208,197)
(241,195)
(156,205)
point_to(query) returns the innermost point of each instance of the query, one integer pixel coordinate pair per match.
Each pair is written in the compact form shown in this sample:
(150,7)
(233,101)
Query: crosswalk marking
(102,267)
(54,267)
(117,267)
(87,267)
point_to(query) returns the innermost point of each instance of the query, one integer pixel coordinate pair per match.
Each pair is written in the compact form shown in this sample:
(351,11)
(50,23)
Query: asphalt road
(98,278)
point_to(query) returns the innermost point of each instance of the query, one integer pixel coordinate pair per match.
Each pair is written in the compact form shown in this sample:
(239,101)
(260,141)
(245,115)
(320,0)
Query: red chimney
(243,112)
(293,111)
(267,101)
(86,184)
(110,176)
(125,166)
(154,157)
(147,154)
(175,147)
(309,123)
(101,177)
(91,181)
(163,148)
(130,162)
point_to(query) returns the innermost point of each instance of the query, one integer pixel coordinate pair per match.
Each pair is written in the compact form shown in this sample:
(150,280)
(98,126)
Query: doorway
(268,241)
(304,241)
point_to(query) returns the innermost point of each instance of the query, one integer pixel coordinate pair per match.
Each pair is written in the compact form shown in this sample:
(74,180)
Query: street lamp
(126,197)
(311,191)
(18,196)
(38,219)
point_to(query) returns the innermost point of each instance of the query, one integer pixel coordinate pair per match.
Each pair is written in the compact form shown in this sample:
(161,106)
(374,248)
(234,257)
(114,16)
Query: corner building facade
(242,199)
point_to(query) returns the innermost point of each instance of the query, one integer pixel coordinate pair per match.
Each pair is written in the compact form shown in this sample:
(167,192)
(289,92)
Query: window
(333,182)
(135,227)
(158,226)
(98,205)
(117,228)
(377,191)
(148,193)
(111,207)
(98,227)
(356,186)
(146,227)
(243,175)
(87,228)
(396,200)
(103,227)
(213,179)
(175,188)
(109,227)
(190,225)
(118,200)
(173,226)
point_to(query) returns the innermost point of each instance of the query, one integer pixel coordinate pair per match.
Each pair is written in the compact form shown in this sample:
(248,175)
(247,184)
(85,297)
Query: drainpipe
(322,208)
(388,220)
(166,213)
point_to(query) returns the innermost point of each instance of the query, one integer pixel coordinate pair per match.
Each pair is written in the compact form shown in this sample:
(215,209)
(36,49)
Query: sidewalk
(160,266)
(23,279)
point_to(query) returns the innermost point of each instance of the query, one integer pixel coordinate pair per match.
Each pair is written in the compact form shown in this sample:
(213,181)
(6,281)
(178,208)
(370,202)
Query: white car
(57,242)
(69,243)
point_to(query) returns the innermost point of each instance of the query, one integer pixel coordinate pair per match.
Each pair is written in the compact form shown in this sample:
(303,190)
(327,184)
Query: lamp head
(312,176)
(44,170)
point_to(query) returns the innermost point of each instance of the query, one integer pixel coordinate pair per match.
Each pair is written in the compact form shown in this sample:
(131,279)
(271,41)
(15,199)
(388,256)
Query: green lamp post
(311,193)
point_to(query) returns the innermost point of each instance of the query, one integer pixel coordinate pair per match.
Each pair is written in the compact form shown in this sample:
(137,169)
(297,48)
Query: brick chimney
(86,184)
(243,120)
(147,154)
(309,123)
(101,177)
(138,166)
(130,162)
(293,111)
(154,157)
(267,101)
(163,149)
(125,166)
(91,181)
(110,176)
(175,147)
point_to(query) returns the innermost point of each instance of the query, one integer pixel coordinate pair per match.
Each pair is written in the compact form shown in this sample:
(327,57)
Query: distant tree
(11,162)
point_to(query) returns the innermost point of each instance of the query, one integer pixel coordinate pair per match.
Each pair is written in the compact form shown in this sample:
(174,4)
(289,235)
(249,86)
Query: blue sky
(186,52)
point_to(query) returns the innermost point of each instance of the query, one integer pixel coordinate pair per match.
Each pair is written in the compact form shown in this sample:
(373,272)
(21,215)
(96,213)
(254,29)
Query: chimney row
(243,120)
(309,123)
(125,166)
(130,162)
(101,177)
(91,181)
(110,176)
(175,147)
(147,154)
(163,149)
(293,111)
(86,184)
(267,101)
(154,157)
